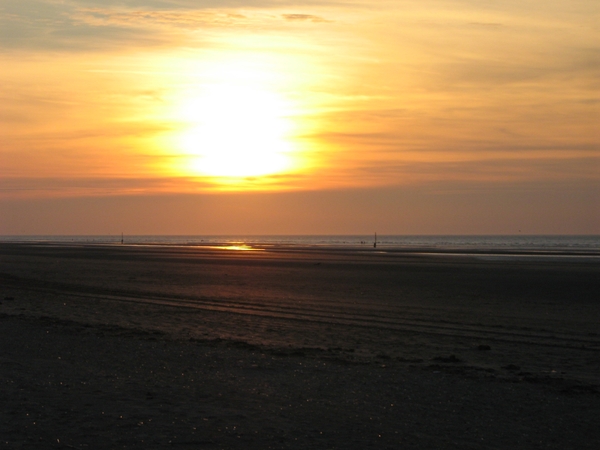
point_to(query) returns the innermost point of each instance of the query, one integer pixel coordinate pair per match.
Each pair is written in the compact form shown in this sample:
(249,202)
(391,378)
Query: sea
(565,244)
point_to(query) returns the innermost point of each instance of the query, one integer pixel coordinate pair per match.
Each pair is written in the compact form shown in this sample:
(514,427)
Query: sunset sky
(282,117)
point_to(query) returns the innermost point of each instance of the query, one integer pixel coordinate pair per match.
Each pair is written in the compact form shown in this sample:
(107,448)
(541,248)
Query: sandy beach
(149,347)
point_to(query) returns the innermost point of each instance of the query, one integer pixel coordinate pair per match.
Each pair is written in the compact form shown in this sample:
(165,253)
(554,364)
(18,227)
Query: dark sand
(150,347)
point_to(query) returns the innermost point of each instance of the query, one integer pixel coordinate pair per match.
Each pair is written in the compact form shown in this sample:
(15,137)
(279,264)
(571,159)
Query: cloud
(303,18)
(93,186)
(205,4)
(401,93)
(41,25)
(100,17)
(90,186)
(96,25)
(492,25)
(488,174)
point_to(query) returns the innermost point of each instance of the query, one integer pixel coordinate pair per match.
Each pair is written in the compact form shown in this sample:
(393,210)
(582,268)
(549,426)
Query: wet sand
(145,347)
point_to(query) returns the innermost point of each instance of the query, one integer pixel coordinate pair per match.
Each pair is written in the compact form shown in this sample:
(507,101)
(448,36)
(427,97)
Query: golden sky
(438,110)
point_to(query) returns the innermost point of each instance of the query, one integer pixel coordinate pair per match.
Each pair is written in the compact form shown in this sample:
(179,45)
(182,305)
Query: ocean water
(497,243)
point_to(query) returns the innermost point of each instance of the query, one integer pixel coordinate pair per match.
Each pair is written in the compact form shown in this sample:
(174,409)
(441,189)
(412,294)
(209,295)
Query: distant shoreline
(382,250)
(539,246)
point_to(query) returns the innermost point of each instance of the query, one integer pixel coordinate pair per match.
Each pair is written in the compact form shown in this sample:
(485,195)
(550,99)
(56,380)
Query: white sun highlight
(236,131)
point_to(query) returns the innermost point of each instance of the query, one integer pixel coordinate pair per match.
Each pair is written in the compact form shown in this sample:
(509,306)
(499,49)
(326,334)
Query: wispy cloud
(96,25)
(101,17)
(304,18)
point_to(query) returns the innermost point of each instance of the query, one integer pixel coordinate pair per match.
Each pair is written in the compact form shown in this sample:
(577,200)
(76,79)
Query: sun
(237,130)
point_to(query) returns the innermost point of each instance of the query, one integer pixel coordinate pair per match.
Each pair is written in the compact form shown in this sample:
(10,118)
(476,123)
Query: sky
(313,117)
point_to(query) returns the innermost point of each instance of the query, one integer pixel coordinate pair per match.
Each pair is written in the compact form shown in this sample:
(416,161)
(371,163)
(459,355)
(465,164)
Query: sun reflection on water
(236,247)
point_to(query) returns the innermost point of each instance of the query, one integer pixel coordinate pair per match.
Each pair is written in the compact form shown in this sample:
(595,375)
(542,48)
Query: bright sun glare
(237,128)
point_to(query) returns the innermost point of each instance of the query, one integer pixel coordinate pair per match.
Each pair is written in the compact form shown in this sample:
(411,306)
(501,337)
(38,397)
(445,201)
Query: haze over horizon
(282,117)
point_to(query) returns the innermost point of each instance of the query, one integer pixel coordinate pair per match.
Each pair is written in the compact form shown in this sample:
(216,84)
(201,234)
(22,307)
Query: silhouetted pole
(375,241)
